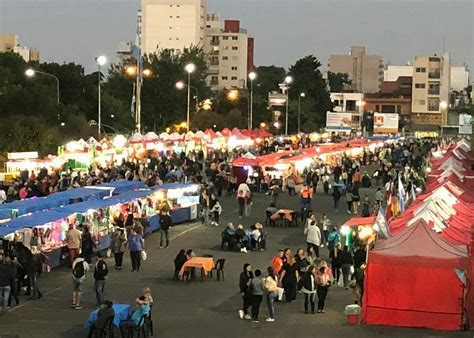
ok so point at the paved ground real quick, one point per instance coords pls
(197, 309)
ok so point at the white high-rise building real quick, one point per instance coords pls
(172, 24)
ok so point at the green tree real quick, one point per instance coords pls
(337, 81)
(308, 79)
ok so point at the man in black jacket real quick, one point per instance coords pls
(6, 281)
(165, 224)
(244, 279)
(100, 274)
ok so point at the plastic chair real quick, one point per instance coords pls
(107, 330)
(281, 219)
(140, 328)
(219, 267)
(262, 241)
(149, 322)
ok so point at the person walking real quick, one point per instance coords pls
(87, 245)
(241, 202)
(335, 257)
(6, 280)
(366, 206)
(100, 274)
(165, 224)
(349, 198)
(256, 290)
(346, 263)
(79, 269)
(309, 288)
(118, 247)
(270, 284)
(73, 243)
(135, 244)
(313, 237)
(244, 279)
(336, 196)
(306, 195)
(325, 224)
(333, 239)
(323, 281)
(289, 279)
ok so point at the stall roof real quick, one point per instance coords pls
(176, 185)
(122, 186)
(360, 221)
(29, 221)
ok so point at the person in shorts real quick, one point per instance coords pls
(79, 269)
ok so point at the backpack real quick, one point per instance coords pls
(101, 271)
(78, 270)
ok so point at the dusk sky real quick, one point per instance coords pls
(284, 30)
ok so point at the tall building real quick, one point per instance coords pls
(430, 93)
(365, 71)
(10, 43)
(230, 53)
(172, 24)
(124, 52)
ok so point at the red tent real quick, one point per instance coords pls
(226, 132)
(210, 134)
(411, 281)
(360, 221)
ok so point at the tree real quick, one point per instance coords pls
(309, 80)
(337, 81)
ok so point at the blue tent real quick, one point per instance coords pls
(39, 218)
(122, 186)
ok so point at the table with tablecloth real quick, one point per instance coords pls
(122, 312)
(286, 212)
(204, 263)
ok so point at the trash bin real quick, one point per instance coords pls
(352, 313)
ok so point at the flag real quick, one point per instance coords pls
(401, 194)
(381, 225)
(132, 106)
(388, 210)
(413, 193)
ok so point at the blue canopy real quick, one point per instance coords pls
(54, 200)
(122, 186)
(39, 218)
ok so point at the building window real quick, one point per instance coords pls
(177, 16)
(420, 85)
(234, 68)
(177, 38)
(235, 58)
(225, 58)
(171, 27)
(224, 78)
(350, 105)
(171, 5)
(225, 38)
(215, 60)
(399, 109)
(235, 48)
(235, 38)
(433, 104)
(420, 69)
(388, 109)
(377, 108)
(234, 78)
(171, 17)
(214, 80)
(433, 89)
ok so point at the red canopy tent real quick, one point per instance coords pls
(411, 281)
(226, 132)
(211, 134)
(360, 221)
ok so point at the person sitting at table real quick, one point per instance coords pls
(142, 310)
(190, 273)
(228, 236)
(179, 261)
(105, 312)
(240, 237)
(254, 236)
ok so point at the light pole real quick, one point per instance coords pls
(100, 60)
(252, 76)
(299, 110)
(190, 67)
(288, 80)
(180, 86)
(30, 72)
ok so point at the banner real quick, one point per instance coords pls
(465, 124)
(385, 123)
(338, 121)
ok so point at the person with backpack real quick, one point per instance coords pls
(100, 274)
(79, 269)
(165, 224)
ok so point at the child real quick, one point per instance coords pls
(148, 296)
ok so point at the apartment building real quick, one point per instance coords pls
(349, 103)
(365, 71)
(172, 24)
(230, 53)
(430, 91)
(10, 43)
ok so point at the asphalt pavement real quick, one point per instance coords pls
(207, 309)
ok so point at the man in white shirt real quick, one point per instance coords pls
(3, 196)
(79, 269)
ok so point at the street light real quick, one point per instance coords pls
(288, 80)
(252, 76)
(100, 60)
(190, 67)
(30, 72)
(180, 86)
(299, 110)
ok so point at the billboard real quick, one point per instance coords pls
(338, 121)
(385, 123)
(465, 124)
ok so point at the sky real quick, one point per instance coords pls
(284, 30)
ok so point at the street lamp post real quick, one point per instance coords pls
(180, 85)
(299, 110)
(288, 80)
(252, 76)
(100, 60)
(190, 67)
(30, 72)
